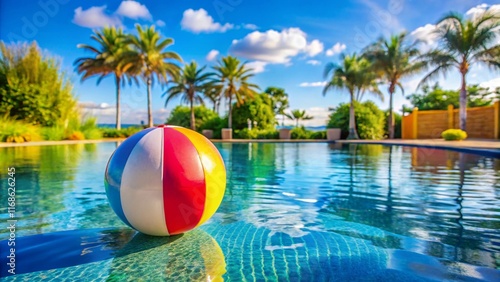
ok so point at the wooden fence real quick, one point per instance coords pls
(482, 122)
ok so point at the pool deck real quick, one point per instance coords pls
(489, 148)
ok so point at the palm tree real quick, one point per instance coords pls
(356, 76)
(298, 115)
(109, 58)
(280, 101)
(465, 42)
(394, 59)
(154, 61)
(190, 83)
(232, 80)
(214, 94)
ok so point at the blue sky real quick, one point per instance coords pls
(287, 43)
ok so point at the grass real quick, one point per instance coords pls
(18, 132)
(14, 131)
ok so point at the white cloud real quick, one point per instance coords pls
(107, 114)
(426, 33)
(274, 47)
(200, 21)
(313, 84)
(336, 49)
(257, 66)
(134, 10)
(314, 48)
(212, 55)
(480, 9)
(387, 19)
(160, 23)
(473, 13)
(250, 26)
(94, 17)
(492, 84)
(313, 62)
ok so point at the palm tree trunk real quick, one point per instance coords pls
(230, 115)
(150, 109)
(390, 122)
(463, 103)
(118, 116)
(297, 122)
(353, 134)
(192, 115)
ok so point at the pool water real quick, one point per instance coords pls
(291, 212)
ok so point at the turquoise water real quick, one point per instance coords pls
(291, 212)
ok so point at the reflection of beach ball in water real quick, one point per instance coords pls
(165, 180)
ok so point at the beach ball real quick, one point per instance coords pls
(165, 180)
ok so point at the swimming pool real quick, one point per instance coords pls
(292, 211)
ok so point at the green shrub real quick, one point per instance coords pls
(18, 132)
(181, 116)
(259, 109)
(53, 133)
(88, 123)
(216, 124)
(454, 134)
(122, 133)
(76, 135)
(369, 120)
(33, 86)
(318, 135)
(300, 133)
(89, 129)
(255, 133)
(92, 133)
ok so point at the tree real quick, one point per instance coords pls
(109, 58)
(258, 110)
(394, 59)
(33, 88)
(190, 83)
(280, 101)
(436, 98)
(464, 42)
(232, 81)
(369, 120)
(181, 116)
(155, 63)
(356, 77)
(214, 95)
(298, 115)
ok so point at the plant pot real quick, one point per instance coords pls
(227, 134)
(285, 134)
(333, 134)
(208, 133)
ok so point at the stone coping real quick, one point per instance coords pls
(489, 148)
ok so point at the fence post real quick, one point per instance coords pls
(450, 116)
(496, 122)
(415, 123)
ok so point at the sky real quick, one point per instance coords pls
(286, 43)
